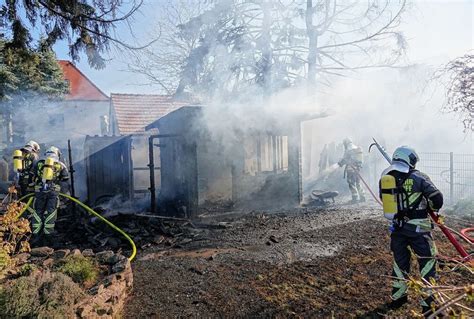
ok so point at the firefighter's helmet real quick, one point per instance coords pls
(407, 155)
(347, 142)
(32, 146)
(53, 150)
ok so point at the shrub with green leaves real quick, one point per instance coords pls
(27, 269)
(40, 295)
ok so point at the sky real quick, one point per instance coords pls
(437, 31)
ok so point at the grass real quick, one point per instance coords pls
(81, 269)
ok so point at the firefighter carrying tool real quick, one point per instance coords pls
(352, 160)
(434, 217)
(407, 196)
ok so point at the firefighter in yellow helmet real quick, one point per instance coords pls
(29, 157)
(51, 178)
(408, 195)
(353, 160)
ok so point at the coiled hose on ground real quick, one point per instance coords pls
(90, 211)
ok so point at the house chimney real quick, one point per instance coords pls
(104, 125)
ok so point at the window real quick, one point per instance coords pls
(266, 153)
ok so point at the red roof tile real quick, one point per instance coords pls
(133, 112)
(80, 87)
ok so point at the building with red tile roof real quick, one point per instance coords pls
(131, 113)
(81, 88)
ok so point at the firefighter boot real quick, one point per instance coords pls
(354, 200)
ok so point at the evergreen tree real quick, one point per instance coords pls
(87, 25)
(28, 73)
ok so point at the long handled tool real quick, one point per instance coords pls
(461, 250)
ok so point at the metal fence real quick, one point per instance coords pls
(452, 173)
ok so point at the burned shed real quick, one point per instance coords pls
(206, 162)
(118, 164)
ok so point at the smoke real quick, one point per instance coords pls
(397, 106)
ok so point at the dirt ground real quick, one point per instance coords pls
(301, 263)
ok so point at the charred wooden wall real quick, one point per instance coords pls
(199, 169)
(109, 167)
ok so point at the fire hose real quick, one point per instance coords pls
(466, 231)
(90, 211)
(436, 219)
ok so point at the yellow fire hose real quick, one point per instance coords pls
(90, 211)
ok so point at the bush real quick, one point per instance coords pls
(40, 295)
(4, 259)
(14, 234)
(81, 269)
(27, 269)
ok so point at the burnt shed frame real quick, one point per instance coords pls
(109, 167)
(180, 161)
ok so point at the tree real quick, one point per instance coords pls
(458, 78)
(27, 75)
(351, 35)
(237, 46)
(87, 25)
(29, 72)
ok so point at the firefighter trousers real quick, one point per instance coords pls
(356, 189)
(45, 212)
(422, 245)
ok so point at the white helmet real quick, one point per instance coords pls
(407, 155)
(347, 142)
(32, 146)
(53, 150)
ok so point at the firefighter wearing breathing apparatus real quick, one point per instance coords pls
(51, 178)
(408, 195)
(353, 160)
(24, 161)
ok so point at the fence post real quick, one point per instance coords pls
(451, 178)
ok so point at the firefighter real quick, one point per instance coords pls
(51, 178)
(3, 169)
(352, 160)
(30, 155)
(411, 197)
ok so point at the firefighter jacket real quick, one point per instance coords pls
(60, 180)
(419, 196)
(353, 156)
(27, 174)
(352, 159)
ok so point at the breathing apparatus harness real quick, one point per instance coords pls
(48, 171)
(395, 199)
(23, 162)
